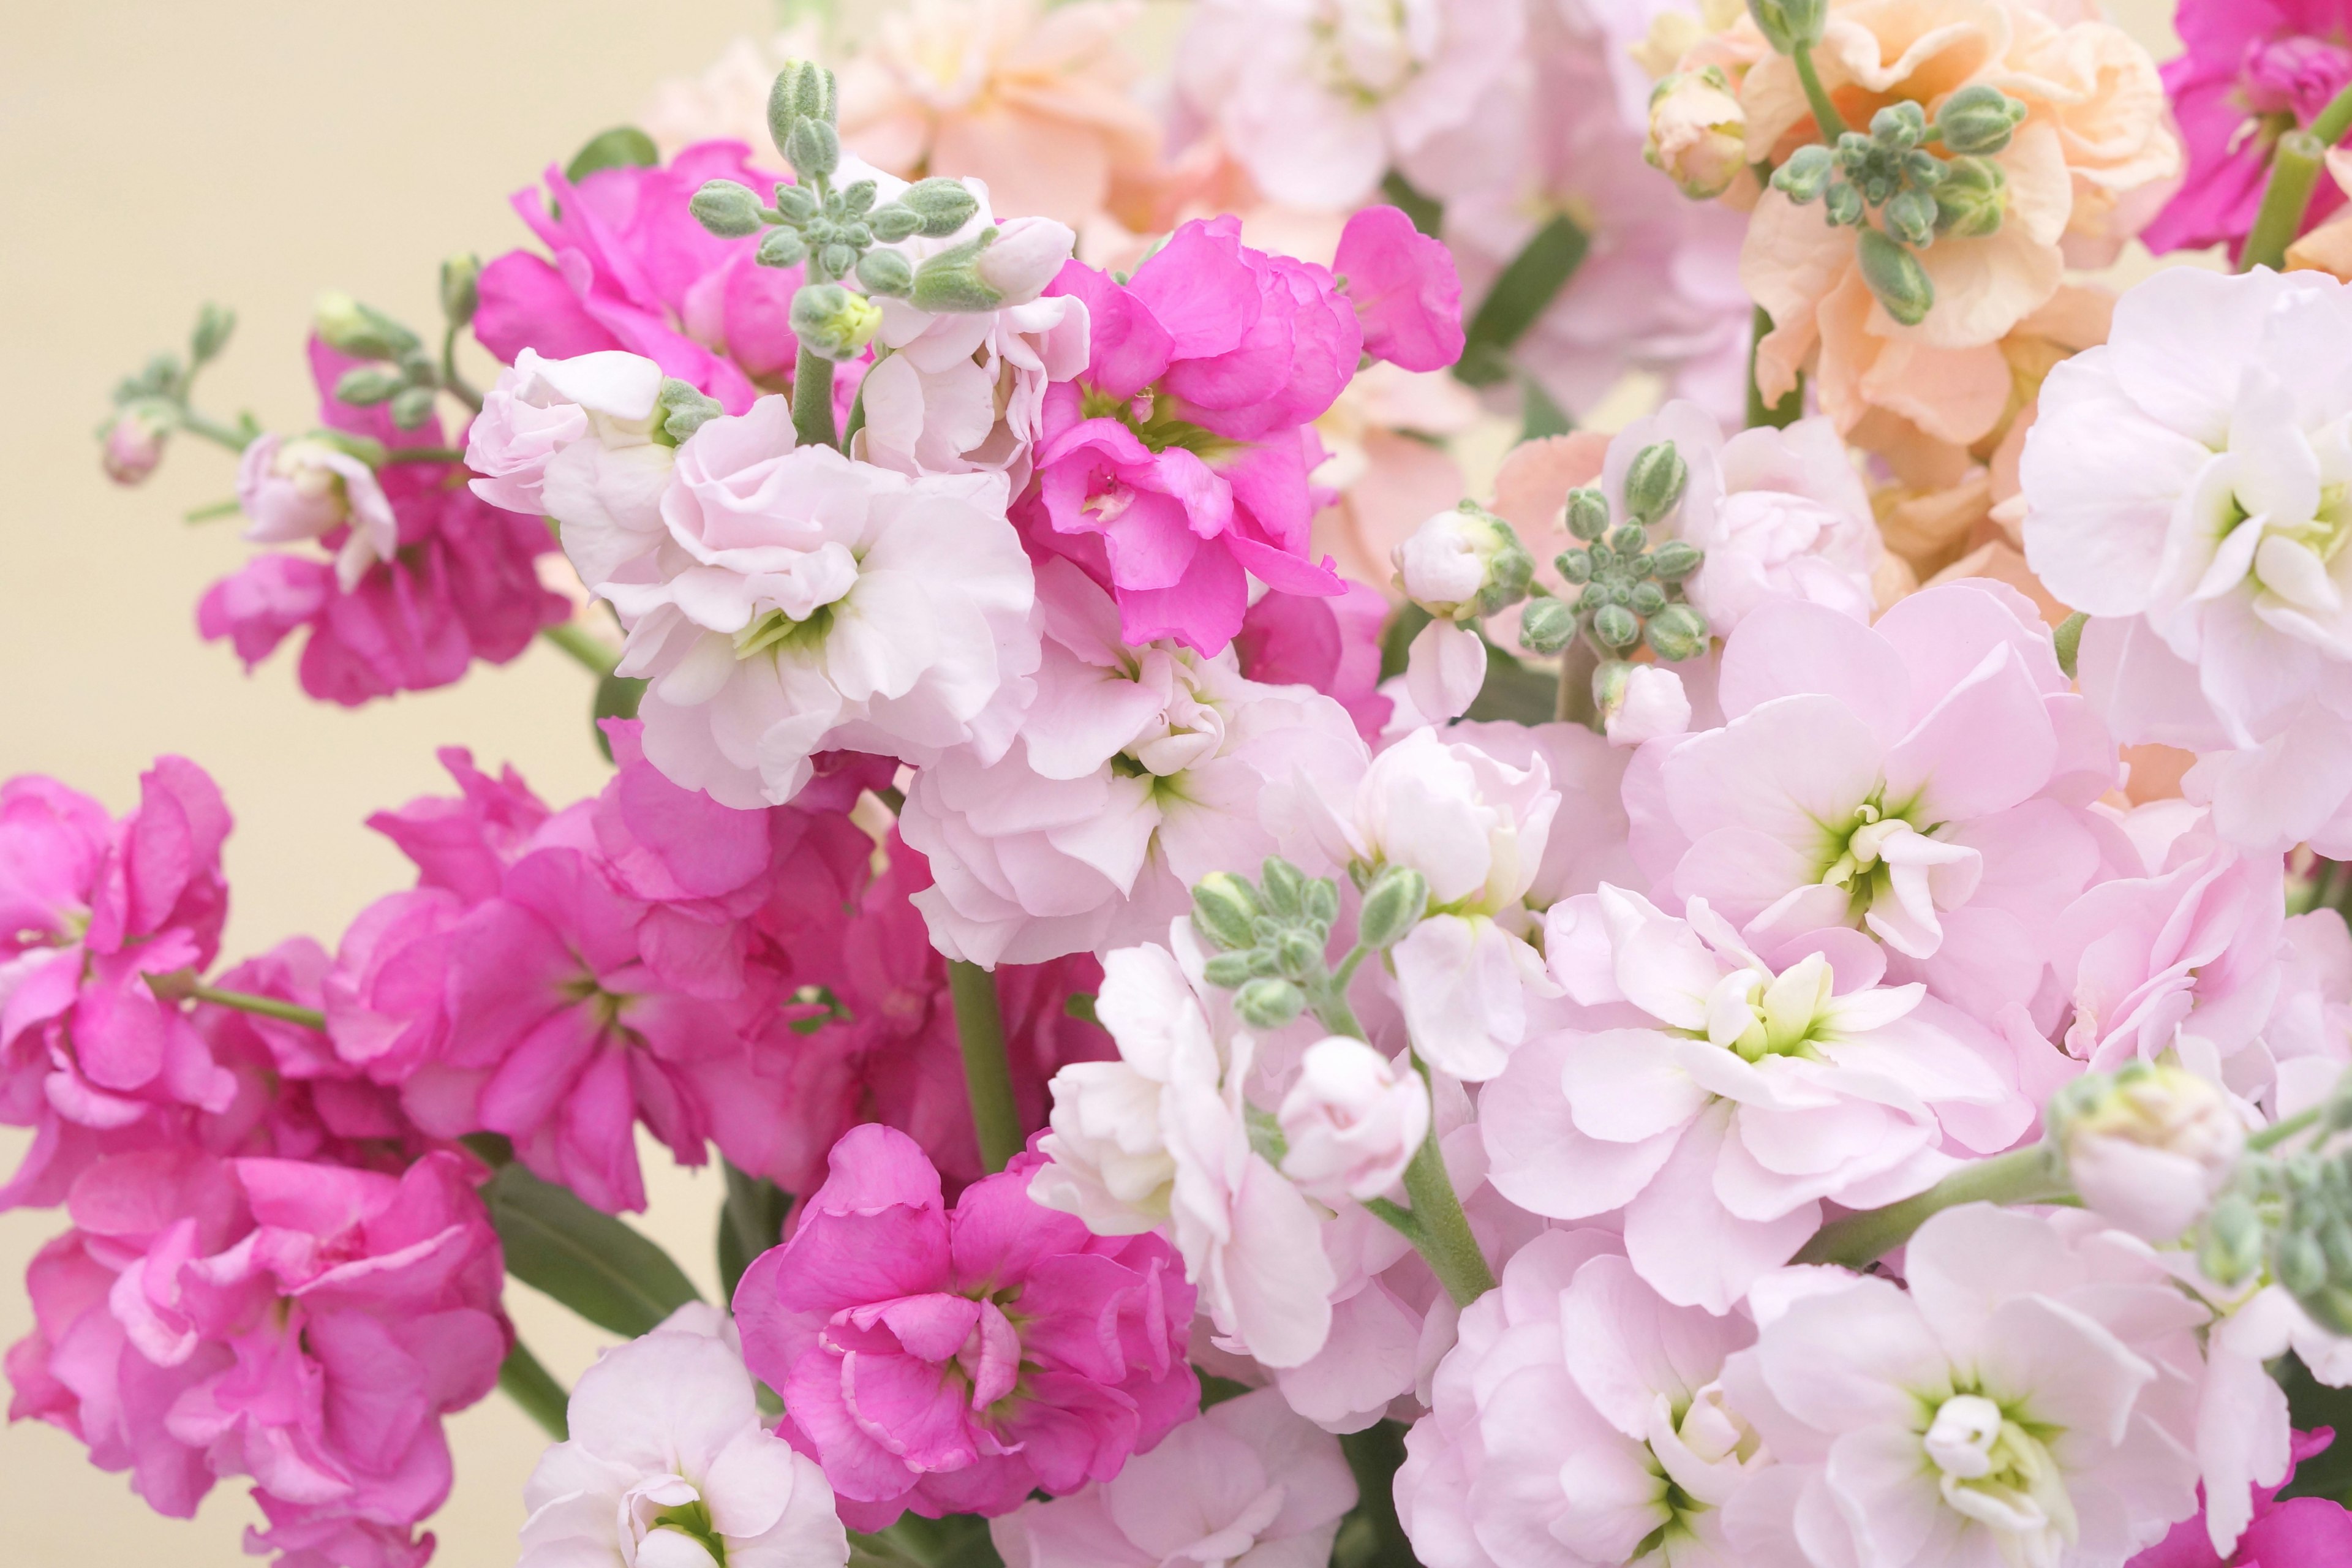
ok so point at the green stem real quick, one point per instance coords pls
(1825, 114)
(987, 1075)
(213, 430)
(218, 509)
(456, 386)
(260, 1006)
(2271, 1137)
(2029, 1176)
(2335, 120)
(1440, 1230)
(533, 1387)
(423, 455)
(1329, 999)
(2295, 175)
(812, 401)
(1573, 704)
(593, 652)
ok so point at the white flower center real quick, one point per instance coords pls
(1993, 1470)
(1366, 49)
(1758, 1014)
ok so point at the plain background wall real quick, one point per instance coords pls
(155, 154)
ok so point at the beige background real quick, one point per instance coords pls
(255, 152)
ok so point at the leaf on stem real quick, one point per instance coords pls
(590, 1261)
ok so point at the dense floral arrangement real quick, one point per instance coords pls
(1771, 989)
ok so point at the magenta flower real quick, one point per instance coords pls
(952, 1362)
(89, 909)
(1175, 467)
(633, 269)
(2251, 69)
(1407, 296)
(458, 586)
(1330, 643)
(303, 1324)
(2305, 1531)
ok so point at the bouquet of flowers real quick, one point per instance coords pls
(1290, 957)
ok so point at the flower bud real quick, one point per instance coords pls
(1464, 564)
(1227, 971)
(1616, 626)
(1899, 127)
(1298, 955)
(344, 323)
(1648, 599)
(780, 247)
(1322, 902)
(1546, 626)
(411, 408)
(214, 325)
(940, 205)
(1639, 702)
(1352, 1121)
(833, 322)
(1911, 218)
(2233, 1244)
(802, 90)
(813, 149)
(1806, 174)
(886, 272)
(1654, 484)
(461, 291)
(683, 410)
(894, 223)
(1284, 887)
(1790, 24)
(1972, 199)
(1269, 1002)
(1225, 909)
(1844, 206)
(726, 208)
(797, 204)
(365, 385)
(1675, 559)
(1587, 514)
(1026, 254)
(2150, 1147)
(1394, 903)
(133, 441)
(1978, 120)
(1677, 633)
(1698, 132)
(1895, 275)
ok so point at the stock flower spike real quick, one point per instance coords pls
(1766, 992)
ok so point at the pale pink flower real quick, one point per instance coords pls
(1352, 1121)
(2151, 1149)
(1247, 1485)
(1650, 706)
(1160, 1140)
(304, 488)
(1577, 1417)
(1136, 773)
(966, 393)
(669, 1465)
(539, 406)
(1720, 1098)
(2002, 1411)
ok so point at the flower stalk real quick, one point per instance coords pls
(987, 1074)
(2030, 1176)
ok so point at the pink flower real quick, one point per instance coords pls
(133, 443)
(954, 1361)
(1577, 1415)
(1248, 1484)
(304, 489)
(1403, 285)
(454, 582)
(90, 910)
(303, 1324)
(2304, 1530)
(1175, 465)
(2252, 69)
(633, 269)
(1332, 645)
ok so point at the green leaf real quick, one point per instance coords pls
(1539, 415)
(959, 1541)
(750, 1222)
(1514, 691)
(1396, 641)
(618, 697)
(621, 147)
(1428, 213)
(2313, 1404)
(2069, 640)
(1524, 292)
(1372, 1536)
(588, 1260)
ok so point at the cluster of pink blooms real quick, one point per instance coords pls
(1767, 996)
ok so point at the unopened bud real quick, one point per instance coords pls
(1227, 971)
(461, 291)
(1978, 120)
(797, 202)
(1225, 909)
(2300, 1264)
(1648, 599)
(836, 260)
(802, 90)
(133, 441)
(1298, 955)
(1675, 559)
(1895, 275)
(1464, 564)
(1322, 902)
(886, 272)
(1911, 218)
(1027, 253)
(1352, 1121)
(1843, 206)
(1284, 887)
(1790, 25)
(1806, 174)
(1972, 199)
(2233, 1244)
(411, 408)
(1654, 484)
(813, 149)
(780, 247)
(1546, 626)
(1587, 514)
(2148, 1147)
(365, 385)
(1639, 702)
(1394, 903)
(684, 410)
(1269, 1002)
(894, 223)
(1698, 132)
(1899, 127)
(214, 325)
(344, 323)
(1616, 626)
(1677, 633)
(833, 322)
(726, 208)
(941, 206)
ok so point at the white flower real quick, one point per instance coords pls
(668, 1466)
(1160, 1140)
(1352, 1121)
(1248, 1485)
(801, 602)
(965, 392)
(603, 487)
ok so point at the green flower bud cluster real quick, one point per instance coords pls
(1628, 584)
(1270, 938)
(1790, 25)
(2291, 1214)
(400, 370)
(150, 405)
(1917, 196)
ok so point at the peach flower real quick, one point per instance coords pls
(1390, 475)
(2096, 143)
